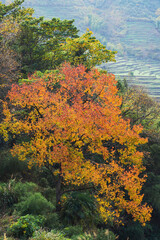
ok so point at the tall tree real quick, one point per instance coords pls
(142, 109)
(75, 128)
(39, 42)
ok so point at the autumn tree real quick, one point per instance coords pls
(74, 126)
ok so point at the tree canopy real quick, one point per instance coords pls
(74, 126)
(87, 50)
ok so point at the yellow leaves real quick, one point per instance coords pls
(78, 126)
(9, 28)
(87, 50)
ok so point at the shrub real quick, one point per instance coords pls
(105, 234)
(79, 208)
(50, 194)
(9, 165)
(24, 190)
(84, 236)
(99, 235)
(25, 226)
(73, 231)
(7, 195)
(133, 232)
(43, 235)
(52, 221)
(35, 204)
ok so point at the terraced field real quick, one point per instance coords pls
(141, 71)
(144, 74)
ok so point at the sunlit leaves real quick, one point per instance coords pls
(87, 50)
(72, 116)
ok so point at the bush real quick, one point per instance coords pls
(105, 235)
(52, 221)
(43, 235)
(79, 208)
(84, 236)
(50, 194)
(133, 232)
(35, 204)
(99, 235)
(25, 226)
(24, 190)
(9, 165)
(72, 231)
(7, 195)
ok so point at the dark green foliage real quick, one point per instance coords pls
(135, 231)
(105, 234)
(79, 208)
(24, 190)
(27, 46)
(35, 204)
(11, 9)
(152, 191)
(10, 166)
(52, 221)
(73, 231)
(132, 232)
(122, 86)
(153, 233)
(24, 198)
(39, 41)
(25, 226)
(50, 194)
(7, 195)
(155, 155)
(15, 193)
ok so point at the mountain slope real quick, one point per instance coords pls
(124, 25)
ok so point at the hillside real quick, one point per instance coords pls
(120, 24)
(127, 26)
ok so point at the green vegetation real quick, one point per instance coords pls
(47, 202)
(25, 226)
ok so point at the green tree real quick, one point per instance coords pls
(144, 110)
(38, 44)
(87, 50)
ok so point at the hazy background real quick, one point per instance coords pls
(132, 27)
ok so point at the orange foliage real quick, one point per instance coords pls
(72, 116)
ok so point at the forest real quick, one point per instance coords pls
(79, 149)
